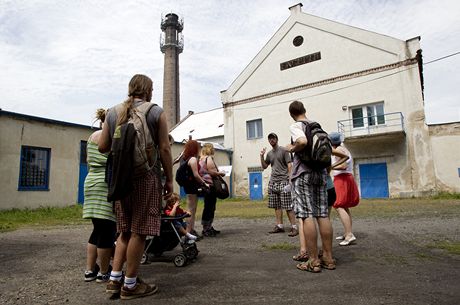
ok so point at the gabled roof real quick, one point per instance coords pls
(383, 43)
(202, 125)
(26, 117)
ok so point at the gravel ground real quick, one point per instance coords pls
(391, 263)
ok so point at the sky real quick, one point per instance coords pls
(63, 59)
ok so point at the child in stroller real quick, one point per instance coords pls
(172, 232)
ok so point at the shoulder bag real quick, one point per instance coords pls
(219, 186)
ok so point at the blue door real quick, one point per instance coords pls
(374, 180)
(82, 173)
(255, 186)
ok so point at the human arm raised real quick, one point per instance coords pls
(262, 158)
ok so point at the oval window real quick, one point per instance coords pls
(298, 40)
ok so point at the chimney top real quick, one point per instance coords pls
(296, 8)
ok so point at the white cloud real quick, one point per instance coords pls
(63, 59)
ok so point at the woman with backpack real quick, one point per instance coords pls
(208, 170)
(190, 158)
(346, 189)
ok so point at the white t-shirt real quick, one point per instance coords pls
(297, 131)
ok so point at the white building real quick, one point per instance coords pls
(367, 85)
(206, 126)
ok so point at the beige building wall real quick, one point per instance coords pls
(64, 142)
(445, 138)
(357, 68)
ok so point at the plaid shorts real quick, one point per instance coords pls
(310, 200)
(277, 197)
(140, 212)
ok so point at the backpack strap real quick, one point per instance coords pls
(146, 107)
(308, 135)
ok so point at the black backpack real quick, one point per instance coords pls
(317, 154)
(120, 169)
(184, 174)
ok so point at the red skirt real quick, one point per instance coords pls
(346, 190)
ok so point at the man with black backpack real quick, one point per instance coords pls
(312, 152)
(135, 132)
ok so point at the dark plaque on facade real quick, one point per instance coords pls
(300, 61)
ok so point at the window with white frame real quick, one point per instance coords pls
(34, 169)
(254, 129)
(368, 115)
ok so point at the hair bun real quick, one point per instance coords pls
(100, 114)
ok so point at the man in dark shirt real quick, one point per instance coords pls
(279, 195)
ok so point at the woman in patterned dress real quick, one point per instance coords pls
(96, 208)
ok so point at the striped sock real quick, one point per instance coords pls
(130, 282)
(116, 276)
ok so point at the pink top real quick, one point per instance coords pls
(204, 170)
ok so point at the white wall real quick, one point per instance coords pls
(359, 70)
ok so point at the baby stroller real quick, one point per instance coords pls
(167, 241)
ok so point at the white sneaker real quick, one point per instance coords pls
(347, 242)
(341, 237)
(191, 236)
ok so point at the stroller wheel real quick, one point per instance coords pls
(180, 260)
(144, 258)
(191, 252)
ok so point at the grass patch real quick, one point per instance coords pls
(246, 209)
(445, 195)
(423, 256)
(45, 216)
(280, 246)
(410, 207)
(394, 259)
(450, 246)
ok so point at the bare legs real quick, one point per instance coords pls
(104, 255)
(309, 230)
(91, 256)
(93, 253)
(291, 216)
(325, 230)
(279, 216)
(345, 218)
(120, 252)
(130, 247)
(303, 241)
(308, 237)
(192, 202)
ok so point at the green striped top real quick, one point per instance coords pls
(96, 205)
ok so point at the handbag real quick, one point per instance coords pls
(219, 186)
